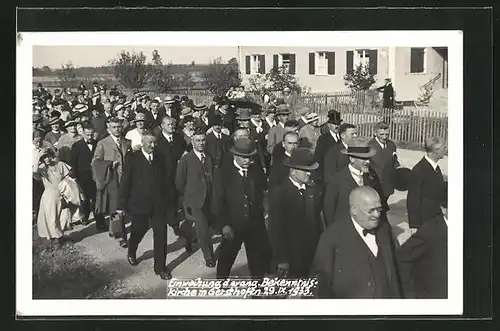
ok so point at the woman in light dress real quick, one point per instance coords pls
(53, 216)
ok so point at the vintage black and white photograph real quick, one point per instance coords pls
(167, 166)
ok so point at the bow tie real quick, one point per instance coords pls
(371, 231)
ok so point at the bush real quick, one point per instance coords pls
(360, 78)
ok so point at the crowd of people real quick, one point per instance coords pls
(207, 170)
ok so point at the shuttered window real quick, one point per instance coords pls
(255, 64)
(417, 60)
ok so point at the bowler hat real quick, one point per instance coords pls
(243, 115)
(334, 117)
(401, 178)
(282, 110)
(358, 147)
(302, 159)
(243, 147)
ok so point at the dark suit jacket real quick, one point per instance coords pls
(81, 159)
(261, 143)
(384, 163)
(155, 122)
(334, 162)
(143, 187)
(336, 201)
(217, 147)
(174, 112)
(100, 126)
(427, 192)
(342, 262)
(278, 172)
(423, 261)
(325, 142)
(294, 227)
(229, 204)
(191, 183)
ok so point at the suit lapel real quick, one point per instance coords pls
(384, 244)
(113, 145)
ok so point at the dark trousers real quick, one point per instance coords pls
(37, 194)
(100, 223)
(140, 226)
(201, 217)
(257, 248)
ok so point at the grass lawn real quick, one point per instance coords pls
(68, 273)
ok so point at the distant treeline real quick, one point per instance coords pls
(109, 70)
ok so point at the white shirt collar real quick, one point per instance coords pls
(357, 175)
(257, 124)
(297, 185)
(334, 135)
(359, 228)
(282, 125)
(287, 154)
(217, 135)
(380, 143)
(345, 145)
(370, 239)
(167, 136)
(114, 138)
(445, 219)
(271, 123)
(240, 169)
(146, 155)
(198, 154)
(433, 164)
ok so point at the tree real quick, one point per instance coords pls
(67, 76)
(360, 78)
(186, 81)
(280, 77)
(130, 69)
(159, 76)
(220, 76)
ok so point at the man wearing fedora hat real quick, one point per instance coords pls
(327, 140)
(269, 118)
(303, 114)
(238, 196)
(357, 173)
(335, 160)
(294, 217)
(170, 108)
(243, 117)
(200, 116)
(258, 133)
(276, 133)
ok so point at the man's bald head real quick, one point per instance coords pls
(365, 206)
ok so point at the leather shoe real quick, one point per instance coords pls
(123, 243)
(165, 275)
(132, 260)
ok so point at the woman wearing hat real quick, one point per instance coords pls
(188, 129)
(294, 217)
(55, 125)
(310, 132)
(66, 142)
(135, 135)
(52, 216)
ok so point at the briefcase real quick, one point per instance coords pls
(116, 225)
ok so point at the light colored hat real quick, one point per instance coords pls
(286, 89)
(169, 99)
(118, 107)
(139, 117)
(80, 108)
(158, 99)
(311, 117)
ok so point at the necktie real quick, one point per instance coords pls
(302, 191)
(150, 158)
(118, 141)
(244, 173)
(384, 146)
(203, 158)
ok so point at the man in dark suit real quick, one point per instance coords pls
(169, 107)
(82, 153)
(423, 260)
(427, 190)
(155, 115)
(278, 171)
(326, 141)
(194, 184)
(143, 195)
(294, 217)
(355, 257)
(172, 140)
(334, 160)
(217, 142)
(113, 148)
(388, 100)
(99, 123)
(258, 133)
(357, 173)
(238, 206)
(385, 161)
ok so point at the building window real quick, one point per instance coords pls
(285, 61)
(362, 57)
(254, 64)
(321, 63)
(417, 60)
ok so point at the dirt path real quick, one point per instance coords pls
(141, 278)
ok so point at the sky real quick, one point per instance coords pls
(94, 56)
